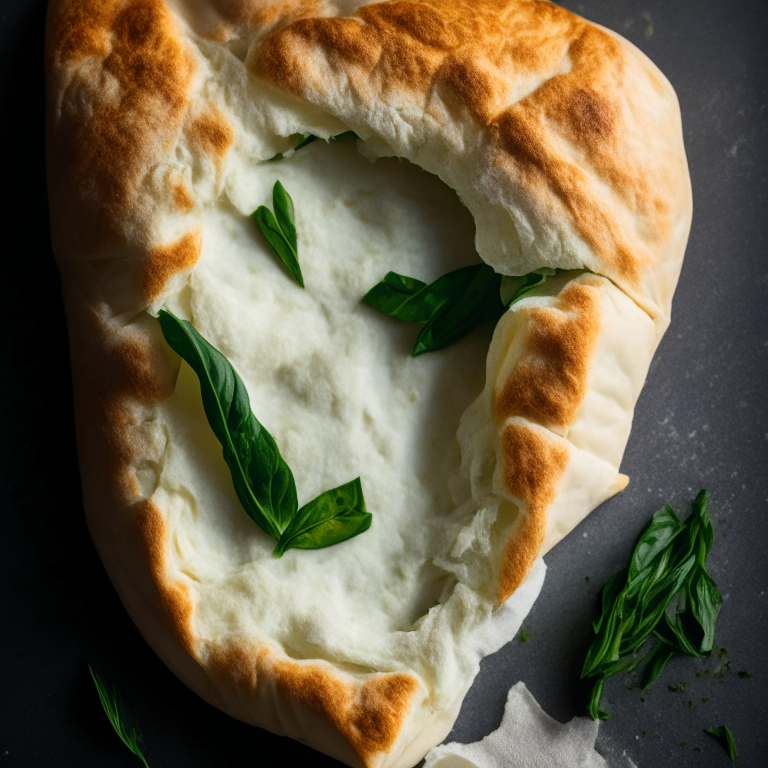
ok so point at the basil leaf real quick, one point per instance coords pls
(450, 307)
(284, 213)
(304, 139)
(282, 241)
(610, 591)
(333, 517)
(513, 289)
(308, 138)
(468, 306)
(263, 481)
(110, 703)
(705, 601)
(594, 701)
(345, 136)
(675, 630)
(656, 537)
(401, 297)
(455, 304)
(656, 661)
(666, 590)
(725, 737)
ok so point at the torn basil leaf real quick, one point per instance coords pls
(263, 481)
(725, 737)
(455, 304)
(279, 230)
(666, 592)
(334, 516)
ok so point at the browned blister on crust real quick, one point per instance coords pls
(547, 382)
(533, 464)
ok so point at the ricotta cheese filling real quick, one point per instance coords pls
(334, 383)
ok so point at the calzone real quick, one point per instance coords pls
(507, 131)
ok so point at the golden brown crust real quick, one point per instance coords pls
(211, 134)
(174, 595)
(164, 261)
(548, 381)
(368, 713)
(577, 126)
(533, 463)
(135, 106)
(182, 197)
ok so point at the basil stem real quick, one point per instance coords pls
(110, 703)
(279, 230)
(666, 592)
(725, 737)
(263, 481)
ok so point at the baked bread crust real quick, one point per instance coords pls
(562, 139)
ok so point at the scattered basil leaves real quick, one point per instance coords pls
(263, 481)
(455, 304)
(725, 737)
(129, 734)
(279, 230)
(665, 593)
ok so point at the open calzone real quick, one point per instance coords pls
(409, 136)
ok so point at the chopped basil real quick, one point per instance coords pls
(725, 737)
(279, 230)
(263, 481)
(666, 592)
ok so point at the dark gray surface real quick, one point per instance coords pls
(702, 420)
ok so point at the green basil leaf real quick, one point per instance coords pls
(513, 289)
(304, 140)
(333, 517)
(656, 661)
(345, 136)
(594, 701)
(609, 594)
(282, 243)
(451, 307)
(705, 602)
(308, 138)
(605, 646)
(678, 627)
(469, 307)
(725, 737)
(110, 702)
(665, 525)
(284, 213)
(665, 591)
(402, 297)
(652, 609)
(263, 481)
